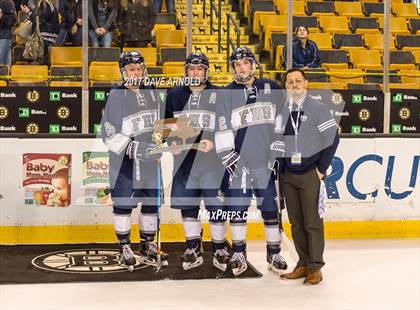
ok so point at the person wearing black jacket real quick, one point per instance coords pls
(71, 22)
(311, 139)
(7, 20)
(48, 23)
(102, 14)
(136, 21)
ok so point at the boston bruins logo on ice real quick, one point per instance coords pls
(404, 113)
(364, 114)
(32, 96)
(63, 112)
(32, 128)
(83, 261)
(4, 112)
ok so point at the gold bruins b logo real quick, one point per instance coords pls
(4, 112)
(337, 99)
(63, 112)
(32, 128)
(364, 114)
(32, 96)
(404, 113)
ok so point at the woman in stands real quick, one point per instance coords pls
(48, 22)
(71, 22)
(136, 21)
(305, 52)
(102, 14)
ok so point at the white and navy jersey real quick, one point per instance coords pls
(317, 138)
(246, 120)
(200, 108)
(129, 116)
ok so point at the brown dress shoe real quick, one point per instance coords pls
(298, 272)
(314, 277)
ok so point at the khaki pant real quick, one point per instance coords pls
(302, 193)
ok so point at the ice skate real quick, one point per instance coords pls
(192, 258)
(276, 263)
(148, 254)
(221, 259)
(127, 257)
(238, 263)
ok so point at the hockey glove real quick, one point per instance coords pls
(233, 162)
(140, 150)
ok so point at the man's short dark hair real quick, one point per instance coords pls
(295, 70)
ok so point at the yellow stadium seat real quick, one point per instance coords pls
(334, 24)
(410, 76)
(149, 54)
(3, 83)
(346, 76)
(280, 25)
(333, 66)
(279, 57)
(398, 25)
(403, 86)
(417, 56)
(29, 73)
(101, 73)
(298, 7)
(404, 9)
(165, 38)
(158, 27)
(366, 59)
(72, 56)
(174, 68)
(322, 40)
(326, 85)
(66, 84)
(402, 66)
(263, 19)
(353, 9)
(375, 41)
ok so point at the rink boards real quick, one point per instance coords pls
(373, 189)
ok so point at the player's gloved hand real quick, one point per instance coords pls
(274, 165)
(140, 150)
(234, 164)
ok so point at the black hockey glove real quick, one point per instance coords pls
(140, 150)
(233, 163)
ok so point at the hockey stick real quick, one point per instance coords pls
(158, 255)
(285, 240)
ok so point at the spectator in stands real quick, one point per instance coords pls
(48, 23)
(170, 6)
(7, 20)
(136, 21)
(71, 22)
(102, 15)
(304, 51)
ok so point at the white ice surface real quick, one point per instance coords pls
(359, 274)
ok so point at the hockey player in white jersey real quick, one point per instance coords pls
(127, 127)
(197, 174)
(244, 141)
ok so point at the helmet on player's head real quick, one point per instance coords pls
(239, 54)
(197, 59)
(132, 57)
